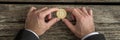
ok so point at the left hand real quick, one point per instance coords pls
(36, 20)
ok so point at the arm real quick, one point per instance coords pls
(35, 23)
(26, 35)
(94, 36)
(84, 24)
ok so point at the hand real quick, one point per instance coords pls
(84, 22)
(36, 20)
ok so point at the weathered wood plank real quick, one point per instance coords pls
(61, 0)
(6, 38)
(102, 14)
(9, 29)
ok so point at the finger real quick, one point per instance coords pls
(31, 10)
(90, 12)
(76, 13)
(52, 21)
(69, 24)
(84, 10)
(80, 12)
(49, 16)
(49, 11)
(70, 10)
(39, 10)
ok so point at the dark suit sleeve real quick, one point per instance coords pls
(96, 37)
(25, 35)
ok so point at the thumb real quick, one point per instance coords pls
(69, 24)
(52, 21)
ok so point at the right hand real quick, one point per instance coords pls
(84, 22)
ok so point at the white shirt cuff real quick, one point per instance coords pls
(32, 32)
(93, 33)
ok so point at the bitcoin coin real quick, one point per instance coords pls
(61, 13)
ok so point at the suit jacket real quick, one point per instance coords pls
(27, 35)
(96, 37)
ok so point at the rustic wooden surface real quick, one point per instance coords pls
(12, 16)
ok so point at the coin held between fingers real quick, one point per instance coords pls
(61, 13)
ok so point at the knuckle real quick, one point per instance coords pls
(39, 15)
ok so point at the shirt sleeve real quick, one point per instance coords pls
(32, 32)
(93, 33)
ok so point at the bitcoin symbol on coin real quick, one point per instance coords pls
(61, 13)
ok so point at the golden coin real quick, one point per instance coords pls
(61, 13)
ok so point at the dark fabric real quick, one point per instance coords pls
(25, 35)
(96, 37)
